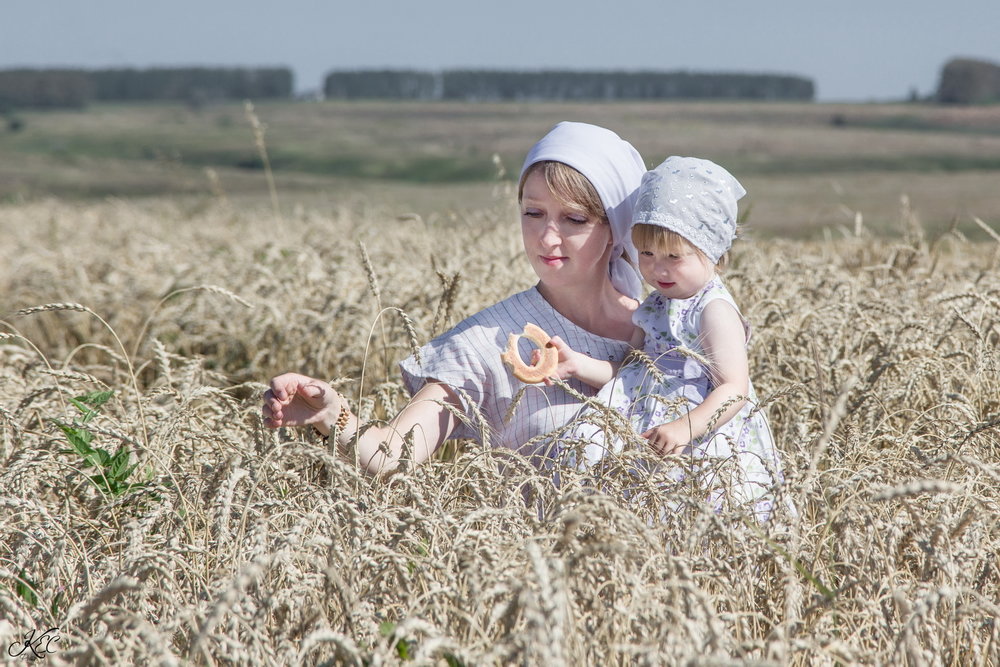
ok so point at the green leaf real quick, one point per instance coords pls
(78, 437)
(88, 412)
(403, 649)
(101, 482)
(113, 470)
(96, 399)
(103, 457)
(54, 608)
(89, 404)
(26, 589)
(119, 464)
(403, 646)
(796, 563)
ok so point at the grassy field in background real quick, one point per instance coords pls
(806, 166)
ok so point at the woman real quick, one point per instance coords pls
(576, 192)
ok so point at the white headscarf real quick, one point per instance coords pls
(695, 198)
(615, 170)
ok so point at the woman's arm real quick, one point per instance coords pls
(298, 400)
(724, 343)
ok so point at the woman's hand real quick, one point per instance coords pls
(298, 400)
(670, 438)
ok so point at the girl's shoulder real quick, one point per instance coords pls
(652, 303)
(650, 310)
(716, 289)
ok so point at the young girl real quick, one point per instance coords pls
(692, 394)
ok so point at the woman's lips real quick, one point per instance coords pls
(551, 261)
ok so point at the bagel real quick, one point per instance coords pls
(546, 365)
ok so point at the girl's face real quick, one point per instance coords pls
(565, 245)
(679, 274)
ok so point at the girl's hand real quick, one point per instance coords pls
(573, 364)
(568, 360)
(670, 438)
(298, 400)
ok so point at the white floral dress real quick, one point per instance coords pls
(669, 383)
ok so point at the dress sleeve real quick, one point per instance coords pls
(452, 361)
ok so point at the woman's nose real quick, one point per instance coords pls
(550, 233)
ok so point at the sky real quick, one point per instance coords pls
(853, 50)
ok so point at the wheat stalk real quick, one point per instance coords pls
(258, 138)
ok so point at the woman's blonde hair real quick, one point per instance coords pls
(663, 240)
(568, 186)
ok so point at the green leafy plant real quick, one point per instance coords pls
(113, 470)
(26, 588)
(405, 648)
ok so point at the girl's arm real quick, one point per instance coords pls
(724, 342)
(298, 400)
(590, 371)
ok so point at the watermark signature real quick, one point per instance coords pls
(35, 645)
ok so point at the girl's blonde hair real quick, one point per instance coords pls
(663, 240)
(568, 186)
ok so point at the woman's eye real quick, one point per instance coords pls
(577, 219)
(531, 213)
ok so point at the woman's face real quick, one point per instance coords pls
(565, 245)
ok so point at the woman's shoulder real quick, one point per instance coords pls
(516, 310)
(511, 314)
(468, 354)
(487, 329)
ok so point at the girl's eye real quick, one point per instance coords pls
(577, 219)
(531, 213)
(646, 253)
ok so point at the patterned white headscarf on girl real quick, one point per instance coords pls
(695, 198)
(615, 170)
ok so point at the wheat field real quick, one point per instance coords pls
(227, 543)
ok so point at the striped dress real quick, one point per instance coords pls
(467, 359)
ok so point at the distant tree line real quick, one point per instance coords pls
(963, 81)
(67, 88)
(192, 83)
(498, 85)
(44, 89)
(382, 84)
(967, 81)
